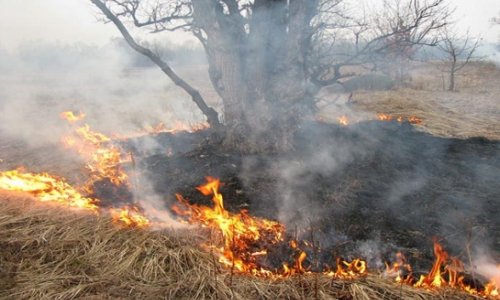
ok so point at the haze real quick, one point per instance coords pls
(71, 21)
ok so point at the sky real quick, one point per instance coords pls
(69, 21)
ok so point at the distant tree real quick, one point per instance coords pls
(459, 51)
(496, 20)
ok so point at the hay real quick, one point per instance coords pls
(52, 253)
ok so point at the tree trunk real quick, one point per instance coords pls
(259, 70)
(451, 87)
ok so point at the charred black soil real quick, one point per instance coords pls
(381, 184)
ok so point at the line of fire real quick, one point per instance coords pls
(243, 244)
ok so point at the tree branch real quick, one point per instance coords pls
(210, 113)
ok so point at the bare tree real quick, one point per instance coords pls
(496, 20)
(378, 39)
(268, 58)
(459, 51)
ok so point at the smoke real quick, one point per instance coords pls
(485, 265)
(118, 92)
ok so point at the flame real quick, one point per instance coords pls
(384, 117)
(434, 277)
(245, 236)
(246, 239)
(349, 270)
(177, 126)
(104, 158)
(343, 120)
(445, 272)
(414, 120)
(242, 233)
(400, 119)
(71, 117)
(129, 216)
(398, 270)
(46, 188)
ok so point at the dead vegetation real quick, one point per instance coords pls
(51, 253)
(471, 111)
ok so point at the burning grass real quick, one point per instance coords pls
(50, 252)
(53, 250)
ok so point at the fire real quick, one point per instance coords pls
(400, 119)
(445, 272)
(104, 159)
(104, 162)
(46, 188)
(348, 270)
(72, 117)
(400, 270)
(130, 216)
(49, 188)
(434, 278)
(242, 233)
(384, 117)
(247, 238)
(177, 126)
(343, 120)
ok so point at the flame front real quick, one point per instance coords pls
(400, 119)
(104, 159)
(46, 188)
(246, 238)
(445, 272)
(130, 216)
(242, 233)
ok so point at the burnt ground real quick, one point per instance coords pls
(370, 189)
(367, 189)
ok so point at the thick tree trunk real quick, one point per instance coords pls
(258, 69)
(451, 87)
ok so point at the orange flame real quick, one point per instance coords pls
(240, 231)
(343, 120)
(445, 272)
(71, 117)
(349, 270)
(104, 159)
(398, 269)
(45, 187)
(177, 126)
(400, 119)
(129, 216)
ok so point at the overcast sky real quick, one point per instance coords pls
(70, 21)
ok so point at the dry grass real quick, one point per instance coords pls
(52, 253)
(473, 110)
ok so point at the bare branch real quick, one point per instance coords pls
(459, 51)
(209, 112)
